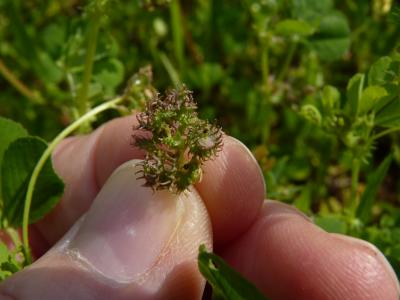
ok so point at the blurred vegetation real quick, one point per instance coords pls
(275, 74)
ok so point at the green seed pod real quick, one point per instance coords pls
(311, 113)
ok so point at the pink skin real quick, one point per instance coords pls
(272, 244)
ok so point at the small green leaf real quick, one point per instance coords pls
(330, 99)
(393, 91)
(332, 38)
(389, 116)
(331, 223)
(303, 201)
(205, 75)
(48, 70)
(370, 98)
(109, 73)
(227, 283)
(54, 37)
(369, 195)
(354, 91)
(9, 132)
(292, 27)
(20, 159)
(379, 73)
(310, 9)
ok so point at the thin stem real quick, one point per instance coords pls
(288, 60)
(177, 33)
(385, 132)
(355, 173)
(46, 154)
(71, 84)
(358, 31)
(265, 68)
(266, 103)
(173, 74)
(17, 84)
(82, 98)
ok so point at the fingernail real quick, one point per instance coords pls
(127, 227)
(250, 158)
(375, 252)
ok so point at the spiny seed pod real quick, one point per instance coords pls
(176, 141)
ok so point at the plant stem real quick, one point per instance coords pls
(17, 84)
(82, 98)
(265, 69)
(265, 104)
(355, 172)
(177, 33)
(288, 60)
(173, 74)
(46, 154)
(385, 132)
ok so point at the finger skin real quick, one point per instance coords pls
(288, 257)
(123, 257)
(232, 187)
(84, 163)
(64, 280)
(233, 190)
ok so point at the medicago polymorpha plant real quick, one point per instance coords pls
(176, 141)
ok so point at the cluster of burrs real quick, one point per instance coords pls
(176, 141)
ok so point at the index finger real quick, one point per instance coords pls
(288, 257)
(232, 187)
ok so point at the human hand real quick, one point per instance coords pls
(133, 245)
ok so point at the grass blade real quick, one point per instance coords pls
(369, 195)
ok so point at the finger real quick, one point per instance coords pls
(232, 186)
(233, 190)
(288, 257)
(84, 163)
(131, 244)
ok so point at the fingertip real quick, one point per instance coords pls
(288, 257)
(133, 243)
(73, 162)
(372, 251)
(84, 163)
(233, 190)
(114, 147)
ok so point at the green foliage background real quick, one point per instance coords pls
(275, 74)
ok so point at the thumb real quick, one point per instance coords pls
(131, 244)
